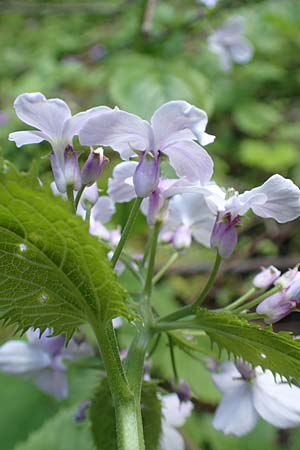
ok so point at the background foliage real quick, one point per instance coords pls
(96, 52)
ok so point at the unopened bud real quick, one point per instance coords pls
(146, 175)
(93, 166)
(266, 277)
(275, 307)
(71, 169)
(224, 235)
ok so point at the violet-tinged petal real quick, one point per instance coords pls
(53, 382)
(103, 210)
(228, 378)
(224, 237)
(146, 175)
(289, 277)
(190, 160)
(293, 291)
(89, 196)
(154, 205)
(170, 439)
(71, 168)
(282, 201)
(182, 237)
(278, 403)
(27, 137)
(178, 120)
(49, 116)
(275, 307)
(118, 187)
(53, 345)
(241, 52)
(122, 131)
(93, 166)
(58, 173)
(236, 413)
(266, 277)
(22, 358)
(75, 123)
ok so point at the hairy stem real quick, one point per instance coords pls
(128, 227)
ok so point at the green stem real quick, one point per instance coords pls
(78, 196)
(240, 300)
(173, 361)
(163, 270)
(259, 299)
(134, 363)
(210, 281)
(127, 408)
(129, 224)
(149, 277)
(180, 314)
(70, 196)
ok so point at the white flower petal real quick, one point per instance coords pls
(21, 358)
(27, 137)
(277, 403)
(177, 121)
(191, 161)
(118, 188)
(236, 413)
(282, 199)
(49, 116)
(103, 209)
(122, 131)
(242, 51)
(53, 382)
(74, 125)
(228, 377)
(171, 439)
(174, 411)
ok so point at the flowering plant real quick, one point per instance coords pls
(62, 266)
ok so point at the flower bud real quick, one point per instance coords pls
(183, 391)
(275, 307)
(81, 413)
(266, 277)
(93, 166)
(146, 175)
(288, 277)
(182, 237)
(71, 169)
(293, 291)
(224, 235)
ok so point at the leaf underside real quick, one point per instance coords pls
(277, 352)
(53, 273)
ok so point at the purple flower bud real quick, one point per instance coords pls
(266, 277)
(71, 169)
(245, 369)
(183, 391)
(288, 277)
(93, 167)
(153, 207)
(146, 175)
(275, 307)
(182, 237)
(224, 235)
(81, 412)
(293, 291)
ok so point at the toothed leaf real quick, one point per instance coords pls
(53, 273)
(259, 346)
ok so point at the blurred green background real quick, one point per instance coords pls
(98, 52)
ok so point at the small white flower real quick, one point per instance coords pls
(175, 413)
(230, 44)
(250, 394)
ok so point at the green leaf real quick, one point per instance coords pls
(271, 157)
(277, 352)
(53, 273)
(137, 77)
(103, 417)
(60, 433)
(256, 119)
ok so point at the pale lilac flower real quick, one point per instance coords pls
(41, 358)
(208, 3)
(121, 189)
(175, 413)
(188, 216)
(250, 394)
(55, 124)
(171, 131)
(266, 277)
(230, 44)
(282, 303)
(278, 198)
